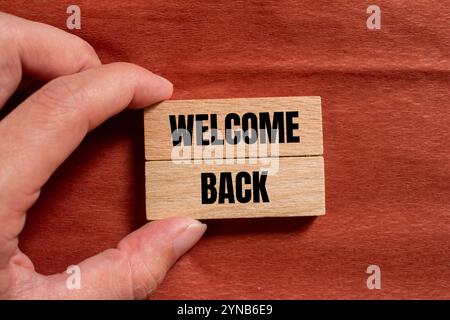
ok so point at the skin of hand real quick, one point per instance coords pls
(41, 132)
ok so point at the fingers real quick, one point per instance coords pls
(135, 268)
(41, 132)
(40, 50)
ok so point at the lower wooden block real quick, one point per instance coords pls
(268, 187)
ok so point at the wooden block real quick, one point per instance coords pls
(294, 186)
(234, 158)
(298, 118)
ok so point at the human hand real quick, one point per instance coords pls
(40, 133)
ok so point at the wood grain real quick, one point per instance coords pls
(295, 189)
(158, 132)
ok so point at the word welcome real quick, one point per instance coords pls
(250, 128)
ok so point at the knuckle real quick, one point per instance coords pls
(139, 280)
(87, 54)
(127, 73)
(144, 275)
(127, 68)
(145, 278)
(122, 64)
(59, 96)
(143, 289)
(82, 55)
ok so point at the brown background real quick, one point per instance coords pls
(386, 119)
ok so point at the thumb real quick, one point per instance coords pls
(136, 267)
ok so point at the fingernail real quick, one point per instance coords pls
(188, 238)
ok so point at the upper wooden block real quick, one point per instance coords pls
(297, 122)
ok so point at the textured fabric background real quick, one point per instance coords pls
(386, 119)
